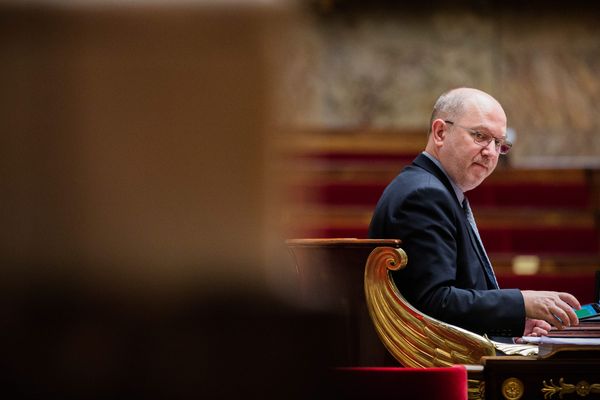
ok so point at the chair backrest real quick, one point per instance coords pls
(331, 276)
(406, 383)
(413, 338)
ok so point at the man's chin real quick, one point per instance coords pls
(472, 184)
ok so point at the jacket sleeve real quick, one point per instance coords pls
(444, 277)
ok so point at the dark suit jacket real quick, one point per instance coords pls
(446, 274)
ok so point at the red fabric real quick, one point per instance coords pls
(529, 194)
(490, 194)
(536, 239)
(338, 193)
(400, 383)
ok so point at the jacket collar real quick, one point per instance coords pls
(422, 161)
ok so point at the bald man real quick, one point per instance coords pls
(449, 275)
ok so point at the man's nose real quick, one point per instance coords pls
(491, 148)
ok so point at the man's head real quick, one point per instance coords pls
(460, 118)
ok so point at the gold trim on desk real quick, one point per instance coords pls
(513, 389)
(582, 388)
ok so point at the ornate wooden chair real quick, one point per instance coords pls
(352, 278)
(413, 338)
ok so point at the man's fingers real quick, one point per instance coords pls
(563, 316)
(568, 310)
(570, 300)
(537, 331)
(543, 325)
(556, 308)
(556, 320)
(572, 317)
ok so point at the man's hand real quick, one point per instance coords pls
(536, 327)
(556, 308)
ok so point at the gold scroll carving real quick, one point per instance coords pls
(582, 388)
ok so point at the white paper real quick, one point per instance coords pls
(562, 340)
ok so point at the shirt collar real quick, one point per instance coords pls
(459, 193)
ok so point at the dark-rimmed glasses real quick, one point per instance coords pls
(483, 139)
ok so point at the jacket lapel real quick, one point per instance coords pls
(424, 162)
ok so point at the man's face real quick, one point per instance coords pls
(466, 162)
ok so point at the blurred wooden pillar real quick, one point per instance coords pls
(135, 141)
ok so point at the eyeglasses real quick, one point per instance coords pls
(483, 139)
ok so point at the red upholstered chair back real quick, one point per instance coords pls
(400, 383)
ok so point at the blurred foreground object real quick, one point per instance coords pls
(138, 201)
(137, 138)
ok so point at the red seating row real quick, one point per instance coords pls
(531, 240)
(490, 194)
(518, 211)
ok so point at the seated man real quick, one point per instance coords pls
(449, 275)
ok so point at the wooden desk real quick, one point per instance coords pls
(560, 372)
(584, 329)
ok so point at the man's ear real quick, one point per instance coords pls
(439, 130)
